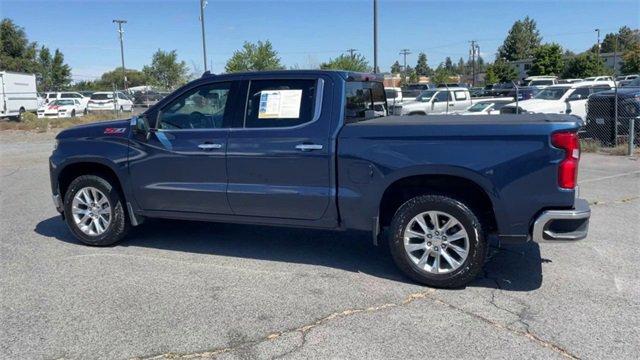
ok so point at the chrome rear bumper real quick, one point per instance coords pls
(563, 225)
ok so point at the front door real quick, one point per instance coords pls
(279, 158)
(182, 164)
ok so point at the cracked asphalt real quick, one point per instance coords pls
(200, 290)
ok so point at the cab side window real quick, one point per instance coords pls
(280, 103)
(443, 96)
(579, 94)
(203, 107)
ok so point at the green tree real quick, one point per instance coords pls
(461, 68)
(501, 71)
(490, 76)
(584, 65)
(422, 67)
(254, 57)
(626, 37)
(396, 68)
(448, 64)
(44, 68)
(631, 60)
(134, 78)
(441, 75)
(165, 70)
(521, 41)
(547, 60)
(355, 62)
(16, 52)
(60, 73)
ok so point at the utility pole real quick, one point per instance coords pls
(121, 32)
(203, 3)
(351, 52)
(375, 36)
(473, 63)
(404, 53)
(598, 31)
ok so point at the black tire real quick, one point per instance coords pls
(21, 114)
(73, 113)
(119, 224)
(471, 266)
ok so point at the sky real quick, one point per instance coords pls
(305, 33)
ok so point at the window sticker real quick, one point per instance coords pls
(280, 104)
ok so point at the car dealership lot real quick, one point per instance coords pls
(233, 291)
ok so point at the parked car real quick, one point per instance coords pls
(599, 78)
(310, 155)
(146, 98)
(601, 114)
(394, 95)
(540, 82)
(105, 101)
(560, 99)
(502, 89)
(626, 80)
(411, 91)
(523, 92)
(18, 94)
(569, 81)
(437, 101)
(61, 108)
(452, 85)
(487, 107)
(51, 96)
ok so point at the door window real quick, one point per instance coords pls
(443, 96)
(280, 103)
(579, 94)
(203, 107)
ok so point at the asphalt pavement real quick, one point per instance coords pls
(199, 290)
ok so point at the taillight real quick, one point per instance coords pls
(568, 167)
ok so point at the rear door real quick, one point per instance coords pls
(279, 160)
(182, 165)
(577, 102)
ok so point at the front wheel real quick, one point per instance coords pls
(438, 241)
(94, 211)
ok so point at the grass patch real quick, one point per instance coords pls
(590, 145)
(30, 122)
(620, 150)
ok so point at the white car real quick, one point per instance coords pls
(541, 82)
(50, 96)
(394, 95)
(61, 108)
(487, 107)
(106, 101)
(599, 78)
(437, 101)
(560, 99)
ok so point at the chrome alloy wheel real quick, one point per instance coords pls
(91, 211)
(436, 242)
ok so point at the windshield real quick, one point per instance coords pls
(426, 95)
(103, 96)
(479, 107)
(62, 102)
(391, 93)
(552, 93)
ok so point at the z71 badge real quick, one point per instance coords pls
(114, 131)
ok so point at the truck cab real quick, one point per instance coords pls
(436, 101)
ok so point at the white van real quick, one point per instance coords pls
(17, 94)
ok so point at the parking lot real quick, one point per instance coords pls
(187, 289)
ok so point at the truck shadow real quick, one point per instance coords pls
(513, 268)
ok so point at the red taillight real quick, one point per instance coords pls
(568, 168)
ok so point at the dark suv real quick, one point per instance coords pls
(601, 114)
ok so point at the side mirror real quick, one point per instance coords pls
(140, 127)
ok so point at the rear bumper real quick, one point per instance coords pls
(563, 225)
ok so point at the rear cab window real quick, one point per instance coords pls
(364, 100)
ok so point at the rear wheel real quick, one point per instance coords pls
(94, 211)
(437, 241)
(21, 114)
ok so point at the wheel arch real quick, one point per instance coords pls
(75, 169)
(478, 197)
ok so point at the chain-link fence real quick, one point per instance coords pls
(610, 112)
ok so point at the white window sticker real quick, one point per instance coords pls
(280, 104)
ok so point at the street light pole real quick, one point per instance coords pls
(203, 3)
(375, 36)
(598, 31)
(121, 32)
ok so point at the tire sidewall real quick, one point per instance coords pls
(116, 229)
(477, 245)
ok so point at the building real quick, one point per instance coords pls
(611, 60)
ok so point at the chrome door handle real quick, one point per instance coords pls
(206, 146)
(309, 147)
